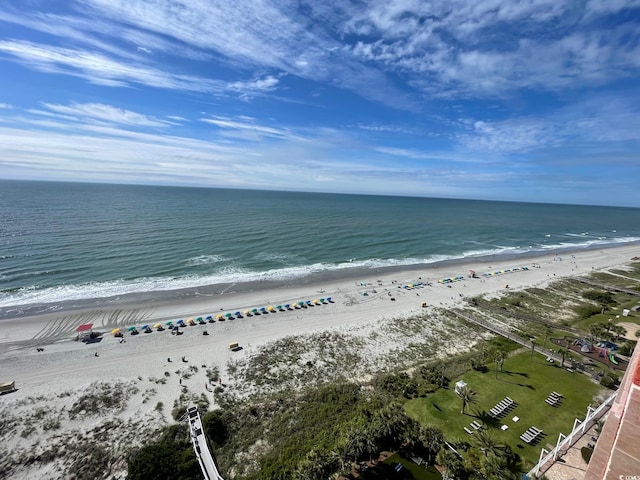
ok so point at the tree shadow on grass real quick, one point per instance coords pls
(486, 418)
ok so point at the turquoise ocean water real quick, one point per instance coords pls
(78, 243)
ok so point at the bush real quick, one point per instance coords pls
(587, 311)
(609, 381)
(586, 453)
(627, 348)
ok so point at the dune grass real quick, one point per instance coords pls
(528, 382)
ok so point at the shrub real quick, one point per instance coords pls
(587, 311)
(586, 453)
(609, 381)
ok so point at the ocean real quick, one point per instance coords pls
(79, 244)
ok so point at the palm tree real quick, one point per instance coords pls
(467, 396)
(618, 331)
(564, 353)
(451, 462)
(596, 330)
(432, 439)
(487, 444)
(500, 357)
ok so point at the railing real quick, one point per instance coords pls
(548, 458)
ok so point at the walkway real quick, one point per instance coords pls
(205, 459)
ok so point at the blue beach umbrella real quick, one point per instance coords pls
(263, 309)
(287, 306)
(238, 314)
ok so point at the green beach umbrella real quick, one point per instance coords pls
(131, 329)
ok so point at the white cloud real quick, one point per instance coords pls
(105, 114)
(100, 69)
(5, 106)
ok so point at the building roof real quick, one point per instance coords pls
(617, 454)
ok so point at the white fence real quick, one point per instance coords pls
(547, 458)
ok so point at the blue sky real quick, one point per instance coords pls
(532, 100)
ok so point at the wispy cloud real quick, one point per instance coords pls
(5, 106)
(100, 69)
(98, 112)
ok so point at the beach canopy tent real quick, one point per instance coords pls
(84, 331)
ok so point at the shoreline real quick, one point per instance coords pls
(50, 327)
(157, 372)
(316, 279)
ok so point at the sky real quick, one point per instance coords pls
(516, 100)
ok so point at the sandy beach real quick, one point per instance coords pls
(52, 370)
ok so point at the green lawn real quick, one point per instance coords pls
(528, 383)
(418, 472)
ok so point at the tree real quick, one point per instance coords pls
(597, 331)
(533, 347)
(452, 463)
(432, 439)
(487, 444)
(563, 355)
(618, 331)
(500, 356)
(467, 396)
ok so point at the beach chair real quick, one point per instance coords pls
(470, 432)
(556, 394)
(511, 402)
(476, 425)
(526, 438)
(553, 403)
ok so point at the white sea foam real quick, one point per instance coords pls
(53, 295)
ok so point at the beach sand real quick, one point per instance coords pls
(55, 379)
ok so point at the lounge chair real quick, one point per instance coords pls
(470, 432)
(526, 438)
(509, 400)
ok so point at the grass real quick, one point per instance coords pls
(417, 472)
(528, 383)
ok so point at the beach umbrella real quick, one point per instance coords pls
(254, 310)
(279, 307)
(301, 303)
(329, 299)
(115, 330)
(131, 329)
(237, 314)
(209, 317)
(287, 306)
(247, 312)
(199, 319)
(263, 309)
(157, 325)
(228, 315)
(308, 302)
(144, 327)
(322, 300)
(219, 316)
(190, 320)
(169, 323)
(270, 308)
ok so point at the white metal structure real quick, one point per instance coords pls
(547, 458)
(200, 447)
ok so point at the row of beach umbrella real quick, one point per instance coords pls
(221, 317)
